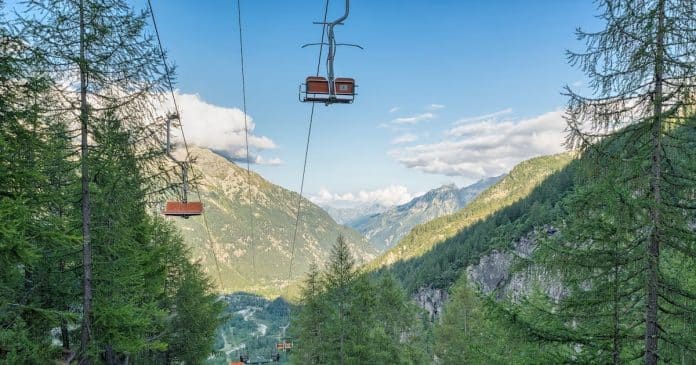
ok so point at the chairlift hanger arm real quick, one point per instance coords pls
(171, 117)
(344, 17)
(336, 44)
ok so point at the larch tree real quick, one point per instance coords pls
(310, 346)
(35, 208)
(641, 71)
(103, 62)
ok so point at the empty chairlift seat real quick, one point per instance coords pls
(317, 85)
(183, 209)
(345, 86)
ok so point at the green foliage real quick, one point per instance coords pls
(151, 304)
(640, 66)
(345, 318)
(473, 331)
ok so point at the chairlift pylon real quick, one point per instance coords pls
(330, 90)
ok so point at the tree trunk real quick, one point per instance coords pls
(86, 244)
(343, 329)
(109, 355)
(652, 333)
(616, 345)
(65, 335)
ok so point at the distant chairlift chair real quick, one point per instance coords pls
(183, 208)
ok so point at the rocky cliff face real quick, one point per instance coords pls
(493, 272)
(431, 300)
(494, 275)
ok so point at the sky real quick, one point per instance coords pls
(450, 91)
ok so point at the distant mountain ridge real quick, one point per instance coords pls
(261, 265)
(344, 215)
(385, 228)
(517, 184)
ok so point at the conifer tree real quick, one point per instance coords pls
(34, 209)
(338, 278)
(598, 256)
(104, 63)
(641, 72)
(475, 330)
(310, 347)
(347, 318)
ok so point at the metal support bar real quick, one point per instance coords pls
(332, 50)
(182, 164)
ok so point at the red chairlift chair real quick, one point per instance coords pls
(183, 208)
(330, 89)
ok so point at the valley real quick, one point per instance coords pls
(347, 182)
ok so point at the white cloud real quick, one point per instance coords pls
(388, 196)
(477, 118)
(404, 138)
(436, 106)
(394, 109)
(414, 119)
(222, 129)
(486, 147)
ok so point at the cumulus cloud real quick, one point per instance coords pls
(404, 138)
(394, 109)
(414, 119)
(222, 129)
(489, 116)
(485, 146)
(388, 196)
(436, 106)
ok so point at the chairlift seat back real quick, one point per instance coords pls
(317, 85)
(344, 86)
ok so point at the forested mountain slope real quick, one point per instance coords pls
(434, 253)
(260, 265)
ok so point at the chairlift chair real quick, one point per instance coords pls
(182, 208)
(330, 89)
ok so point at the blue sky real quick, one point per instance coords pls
(450, 90)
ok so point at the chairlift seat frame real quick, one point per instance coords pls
(183, 209)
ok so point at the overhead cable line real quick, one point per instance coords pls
(309, 135)
(246, 142)
(183, 135)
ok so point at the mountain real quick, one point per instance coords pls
(261, 265)
(344, 215)
(434, 253)
(386, 228)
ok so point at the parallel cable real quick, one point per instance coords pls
(183, 136)
(246, 142)
(309, 135)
